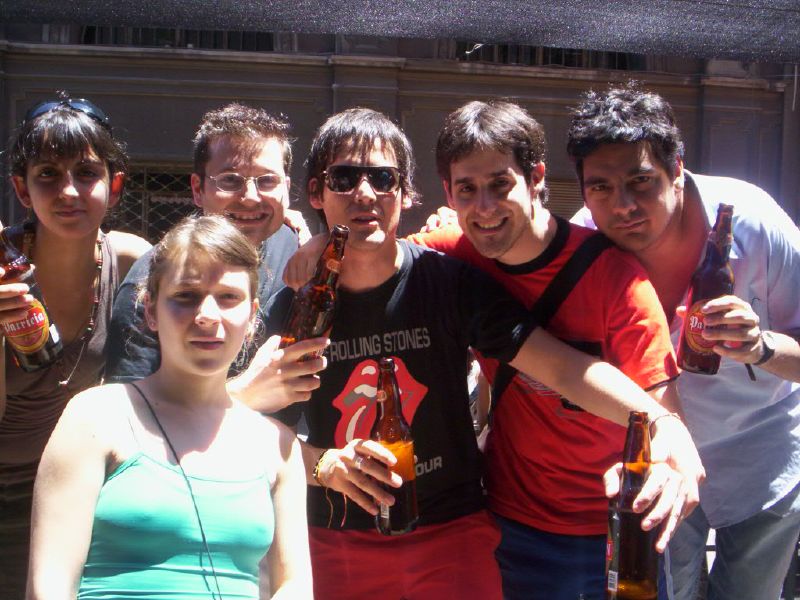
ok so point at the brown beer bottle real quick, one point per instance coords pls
(311, 312)
(392, 431)
(712, 279)
(33, 339)
(631, 557)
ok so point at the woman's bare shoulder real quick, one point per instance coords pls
(97, 403)
(271, 433)
(128, 247)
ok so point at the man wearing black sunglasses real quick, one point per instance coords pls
(343, 179)
(242, 158)
(425, 310)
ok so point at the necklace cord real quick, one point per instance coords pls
(28, 242)
(189, 486)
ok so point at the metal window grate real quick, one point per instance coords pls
(250, 41)
(154, 200)
(539, 56)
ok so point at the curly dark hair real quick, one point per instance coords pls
(627, 114)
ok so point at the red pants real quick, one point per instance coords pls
(453, 560)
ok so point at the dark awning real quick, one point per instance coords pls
(751, 30)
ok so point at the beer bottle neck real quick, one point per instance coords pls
(327, 273)
(723, 246)
(718, 250)
(635, 459)
(390, 425)
(12, 260)
(388, 403)
(721, 236)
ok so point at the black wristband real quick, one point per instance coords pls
(768, 343)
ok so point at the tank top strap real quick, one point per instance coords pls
(134, 422)
(109, 283)
(111, 273)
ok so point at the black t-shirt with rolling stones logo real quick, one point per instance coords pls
(426, 317)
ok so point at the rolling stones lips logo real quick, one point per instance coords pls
(357, 400)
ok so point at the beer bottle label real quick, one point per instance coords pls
(29, 334)
(613, 583)
(384, 508)
(695, 323)
(612, 551)
(333, 265)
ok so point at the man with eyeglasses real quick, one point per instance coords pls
(425, 310)
(242, 157)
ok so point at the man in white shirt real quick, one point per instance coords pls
(628, 153)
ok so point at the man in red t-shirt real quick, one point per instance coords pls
(546, 456)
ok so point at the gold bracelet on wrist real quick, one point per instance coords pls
(315, 473)
(663, 415)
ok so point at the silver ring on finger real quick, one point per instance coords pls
(358, 462)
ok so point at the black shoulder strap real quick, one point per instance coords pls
(553, 296)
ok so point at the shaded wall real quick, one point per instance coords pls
(738, 126)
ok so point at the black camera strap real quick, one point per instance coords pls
(551, 299)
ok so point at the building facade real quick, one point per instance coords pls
(738, 119)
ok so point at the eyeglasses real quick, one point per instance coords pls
(79, 104)
(343, 179)
(232, 183)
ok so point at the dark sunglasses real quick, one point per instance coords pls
(79, 104)
(343, 179)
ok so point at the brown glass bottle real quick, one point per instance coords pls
(712, 279)
(631, 557)
(392, 431)
(34, 339)
(311, 312)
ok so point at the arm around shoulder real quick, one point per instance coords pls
(595, 386)
(68, 482)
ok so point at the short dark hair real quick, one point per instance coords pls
(494, 125)
(64, 132)
(357, 130)
(246, 122)
(625, 114)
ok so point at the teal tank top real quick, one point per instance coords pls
(146, 543)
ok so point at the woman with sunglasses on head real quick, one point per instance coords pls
(67, 170)
(168, 487)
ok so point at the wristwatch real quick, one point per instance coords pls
(768, 343)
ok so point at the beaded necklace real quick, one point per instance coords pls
(28, 241)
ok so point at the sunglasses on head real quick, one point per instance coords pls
(78, 104)
(345, 178)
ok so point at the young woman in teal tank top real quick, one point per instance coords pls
(168, 487)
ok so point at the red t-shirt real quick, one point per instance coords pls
(545, 456)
